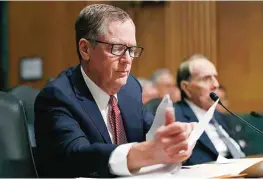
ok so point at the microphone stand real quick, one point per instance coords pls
(214, 97)
(250, 125)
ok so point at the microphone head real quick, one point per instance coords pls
(213, 96)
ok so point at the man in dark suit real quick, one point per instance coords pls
(89, 120)
(196, 78)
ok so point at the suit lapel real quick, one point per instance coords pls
(88, 103)
(130, 115)
(189, 114)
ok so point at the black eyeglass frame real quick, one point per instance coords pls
(127, 48)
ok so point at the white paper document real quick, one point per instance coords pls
(230, 167)
(202, 124)
(159, 119)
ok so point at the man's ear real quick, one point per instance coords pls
(84, 49)
(185, 87)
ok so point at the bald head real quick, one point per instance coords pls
(197, 77)
(201, 66)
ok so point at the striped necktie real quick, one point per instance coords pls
(116, 122)
(231, 145)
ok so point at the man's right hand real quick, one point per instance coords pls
(169, 146)
(171, 141)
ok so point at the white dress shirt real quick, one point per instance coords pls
(118, 158)
(210, 130)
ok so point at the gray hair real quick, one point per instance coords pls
(158, 73)
(93, 19)
(144, 82)
(184, 71)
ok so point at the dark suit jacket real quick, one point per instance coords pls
(204, 150)
(71, 136)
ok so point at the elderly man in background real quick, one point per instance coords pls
(164, 82)
(149, 91)
(197, 78)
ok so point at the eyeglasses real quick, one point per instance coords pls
(120, 49)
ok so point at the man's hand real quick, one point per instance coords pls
(169, 146)
(171, 141)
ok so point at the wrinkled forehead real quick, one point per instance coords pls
(202, 67)
(120, 32)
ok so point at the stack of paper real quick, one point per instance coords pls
(230, 168)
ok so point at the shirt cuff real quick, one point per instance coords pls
(118, 160)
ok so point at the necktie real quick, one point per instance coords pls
(116, 122)
(229, 142)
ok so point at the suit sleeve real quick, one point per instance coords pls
(63, 148)
(148, 118)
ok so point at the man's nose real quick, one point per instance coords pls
(215, 82)
(126, 58)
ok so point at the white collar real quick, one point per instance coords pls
(100, 96)
(199, 112)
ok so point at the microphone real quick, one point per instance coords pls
(214, 97)
(256, 114)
